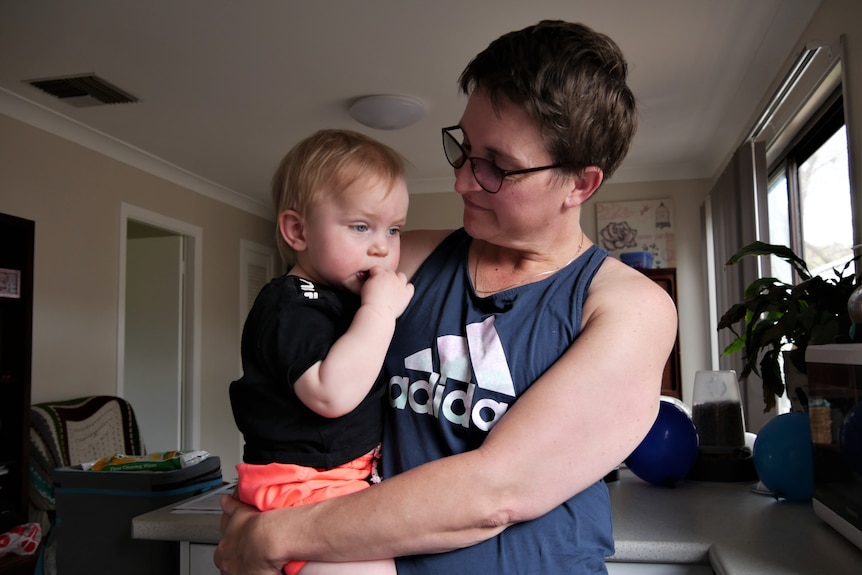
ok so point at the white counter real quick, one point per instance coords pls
(727, 526)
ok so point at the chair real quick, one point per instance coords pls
(71, 432)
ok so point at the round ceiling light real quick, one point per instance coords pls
(387, 111)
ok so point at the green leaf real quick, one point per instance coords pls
(736, 345)
(764, 249)
(735, 314)
(774, 315)
(773, 384)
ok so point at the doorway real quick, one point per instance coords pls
(158, 365)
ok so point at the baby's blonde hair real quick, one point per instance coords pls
(330, 159)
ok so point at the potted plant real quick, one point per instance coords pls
(780, 316)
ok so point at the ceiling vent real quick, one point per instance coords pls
(83, 91)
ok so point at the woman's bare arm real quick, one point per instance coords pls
(417, 245)
(577, 422)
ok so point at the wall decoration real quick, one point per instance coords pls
(10, 283)
(638, 228)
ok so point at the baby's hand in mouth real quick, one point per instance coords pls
(363, 275)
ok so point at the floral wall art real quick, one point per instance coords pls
(638, 226)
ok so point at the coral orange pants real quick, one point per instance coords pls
(278, 485)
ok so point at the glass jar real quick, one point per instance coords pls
(717, 411)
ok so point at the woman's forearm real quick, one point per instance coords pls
(430, 517)
(433, 514)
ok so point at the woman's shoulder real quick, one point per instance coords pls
(618, 287)
(416, 245)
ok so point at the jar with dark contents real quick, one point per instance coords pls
(717, 411)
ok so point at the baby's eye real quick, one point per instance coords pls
(394, 231)
(360, 227)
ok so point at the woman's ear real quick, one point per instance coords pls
(585, 185)
(292, 229)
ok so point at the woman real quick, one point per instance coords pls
(527, 365)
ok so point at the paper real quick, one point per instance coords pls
(643, 225)
(208, 503)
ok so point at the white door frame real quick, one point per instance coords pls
(191, 431)
(251, 254)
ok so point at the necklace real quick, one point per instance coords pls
(522, 280)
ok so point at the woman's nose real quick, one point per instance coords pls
(465, 180)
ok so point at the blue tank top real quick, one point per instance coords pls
(456, 365)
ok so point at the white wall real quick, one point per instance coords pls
(152, 362)
(74, 195)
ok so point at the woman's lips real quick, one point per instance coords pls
(472, 205)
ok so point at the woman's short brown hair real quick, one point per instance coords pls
(572, 81)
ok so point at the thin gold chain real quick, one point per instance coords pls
(523, 280)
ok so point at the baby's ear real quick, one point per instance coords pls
(292, 229)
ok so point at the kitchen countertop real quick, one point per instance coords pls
(725, 525)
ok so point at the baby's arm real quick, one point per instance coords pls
(335, 385)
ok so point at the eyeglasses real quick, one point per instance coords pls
(488, 175)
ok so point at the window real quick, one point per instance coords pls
(787, 184)
(808, 203)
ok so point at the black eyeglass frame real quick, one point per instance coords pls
(494, 168)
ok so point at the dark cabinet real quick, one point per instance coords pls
(671, 383)
(16, 318)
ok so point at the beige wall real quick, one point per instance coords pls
(74, 196)
(435, 211)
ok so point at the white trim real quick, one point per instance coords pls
(194, 261)
(251, 253)
(711, 282)
(837, 522)
(55, 123)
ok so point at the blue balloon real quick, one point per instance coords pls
(784, 456)
(669, 450)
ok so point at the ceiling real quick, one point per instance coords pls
(225, 88)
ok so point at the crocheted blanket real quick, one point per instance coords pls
(76, 431)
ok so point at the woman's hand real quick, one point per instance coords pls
(243, 544)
